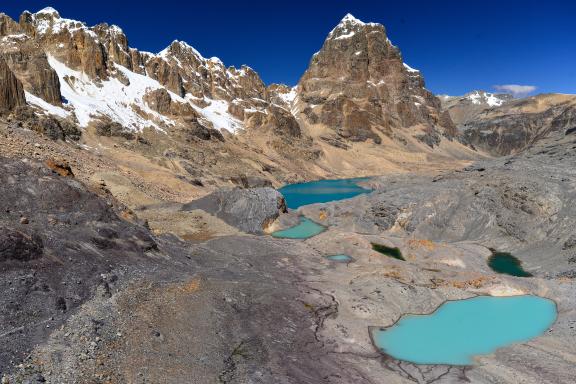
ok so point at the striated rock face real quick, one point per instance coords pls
(519, 124)
(28, 61)
(11, 90)
(463, 109)
(44, 216)
(359, 85)
(159, 100)
(250, 210)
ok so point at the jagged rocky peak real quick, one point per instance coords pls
(70, 41)
(359, 85)
(8, 26)
(191, 73)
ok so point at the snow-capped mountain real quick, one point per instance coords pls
(464, 108)
(357, 91)
(95, 75)
(479, 98)
(98, 75)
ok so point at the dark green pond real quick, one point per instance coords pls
(388, 251)
(503, 262)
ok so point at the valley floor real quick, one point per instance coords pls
(201, 301)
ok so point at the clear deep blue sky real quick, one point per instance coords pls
(458, 45)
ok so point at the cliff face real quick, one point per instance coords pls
(28, 61)
(11, 90)
(358, 85)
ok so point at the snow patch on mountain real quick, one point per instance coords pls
(49, 20)
(288, 97)
(346, 28)
(410, 69)
(47, 107)
(478, 97)
(217, 113)
(111, 98)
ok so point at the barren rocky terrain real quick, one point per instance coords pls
(135, 241)
(94, 298)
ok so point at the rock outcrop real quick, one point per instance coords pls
(250, 210)
(56, 241)
(11, 90)
(28, 61)
(359, 86)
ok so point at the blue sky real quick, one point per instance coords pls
(458, 45)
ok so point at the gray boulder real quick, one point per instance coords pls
(250, 210)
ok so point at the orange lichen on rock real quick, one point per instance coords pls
(462, 284)
(421, 243)
(61, 167)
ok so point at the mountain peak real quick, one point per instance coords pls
(177, 47)
(348, 27)
(349, 18)
(48, 11)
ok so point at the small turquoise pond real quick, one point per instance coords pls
(307, 228)
(340, 258)
(459, 330)
(321, 191)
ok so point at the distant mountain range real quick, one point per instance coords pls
(64, 77)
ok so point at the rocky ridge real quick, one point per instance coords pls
(463, 109)
(521, 124)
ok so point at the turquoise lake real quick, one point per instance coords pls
(307, 228)
(321, 191)
(459, 330)
(341, 258)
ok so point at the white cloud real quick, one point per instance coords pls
(515, 89)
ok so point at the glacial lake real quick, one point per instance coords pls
(460, 330)
(322, 191)
(340, 258)
(307, 228)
